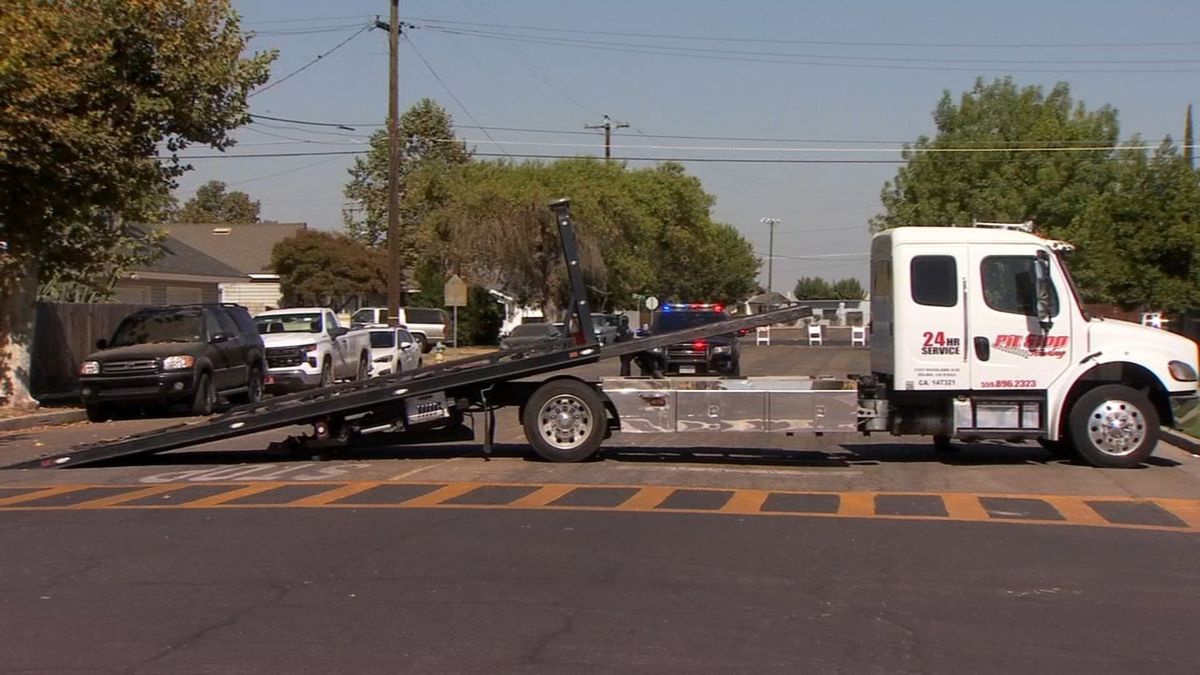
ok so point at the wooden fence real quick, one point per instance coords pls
(64, 334)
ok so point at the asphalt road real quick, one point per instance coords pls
(669, 554)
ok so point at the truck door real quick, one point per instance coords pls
(218, 351)
(337, 347)
(1011, 348)
(929, 318)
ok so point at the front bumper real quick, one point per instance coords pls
(1184, 408)
(164, 388)
(278, 381)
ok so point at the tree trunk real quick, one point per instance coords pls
(18, 294)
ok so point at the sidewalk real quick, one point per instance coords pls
(41, 417)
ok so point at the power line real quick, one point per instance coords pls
(838, 43)
(448, 91)
(800, 60)
(310, 64)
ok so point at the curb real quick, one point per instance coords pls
(43, 419)
(1181, 440)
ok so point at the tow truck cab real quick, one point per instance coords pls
(979, 333)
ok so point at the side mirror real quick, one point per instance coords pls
(406, 345)
(337, 331)
(101, 344)
(1045, 291)
(218, 338)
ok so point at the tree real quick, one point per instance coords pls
(326, 269)
(1139, 242)
(812, 288)
(848, 289)
(91, 93)
(427, 139)
(212, 204)
(1013, 180)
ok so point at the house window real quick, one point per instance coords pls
(935, 280)
(184, 295)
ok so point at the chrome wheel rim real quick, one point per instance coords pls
(565, 421)
(1116, 427)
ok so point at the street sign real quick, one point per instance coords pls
(456, 292)
(652, 303)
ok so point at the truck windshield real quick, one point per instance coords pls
(140, 329)
(666, 322)
(306, 322)
(1066, 270)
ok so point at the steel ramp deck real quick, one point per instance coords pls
(352, 398)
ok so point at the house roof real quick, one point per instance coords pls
(246, 247)
(180, 260)
(771, 298)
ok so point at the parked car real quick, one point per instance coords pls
(530, 334)
(306, 348)
(605, 327)
(393, 350)
(162, 356)
(718, 354)
(427, 324)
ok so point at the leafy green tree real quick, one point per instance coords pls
(327, 269)
(1022, 171)
(1139, 242)
(92, 92)
(427, 141)
(212, 204)
(812, 288)
(848, 289)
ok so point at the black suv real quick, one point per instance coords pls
(176, 354)
(717, 354)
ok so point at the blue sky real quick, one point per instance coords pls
(833, 80)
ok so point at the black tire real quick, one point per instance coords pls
(1113, 426)
(98, 412)
(364, 367)
(943, 445)
(205, 398)
(254, 388)
(326, 374)
(565, 421)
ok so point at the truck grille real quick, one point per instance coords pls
(131, 367)
(685, 352)
(284, 357)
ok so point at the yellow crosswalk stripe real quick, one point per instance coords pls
(746, 501)
(41, 494)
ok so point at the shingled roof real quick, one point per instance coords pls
(246, 247)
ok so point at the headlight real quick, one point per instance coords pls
(89, 368)
(179, 362)
(383, 359)
(656, 350)
(308, 348)
(721, 350)
(1184, 372)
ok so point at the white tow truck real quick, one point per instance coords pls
(306, 348)
(976, 333)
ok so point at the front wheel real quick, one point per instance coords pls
(564, 421)
(364, 367)
(205, 398)
(98, 412)
(1114, 426)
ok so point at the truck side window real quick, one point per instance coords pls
(934, 280)
(1009, 286)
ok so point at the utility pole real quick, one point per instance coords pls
(772, 222)
(608, 125)
(395, 276)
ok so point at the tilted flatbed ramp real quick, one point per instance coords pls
(353, 398)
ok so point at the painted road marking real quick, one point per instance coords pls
(1165, 515)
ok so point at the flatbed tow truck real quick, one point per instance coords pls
(977, 333)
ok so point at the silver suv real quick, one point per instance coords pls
(427, 324)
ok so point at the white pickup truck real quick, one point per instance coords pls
(307, 348)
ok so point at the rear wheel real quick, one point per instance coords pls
(205, 398)
(1114, 426)
(564, 421)
(254, 388)
(364, 367)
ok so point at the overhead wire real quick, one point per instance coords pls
(310, 64)
(448, 91)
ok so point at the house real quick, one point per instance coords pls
(246, 247)
(181, 275)
(515, 313)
